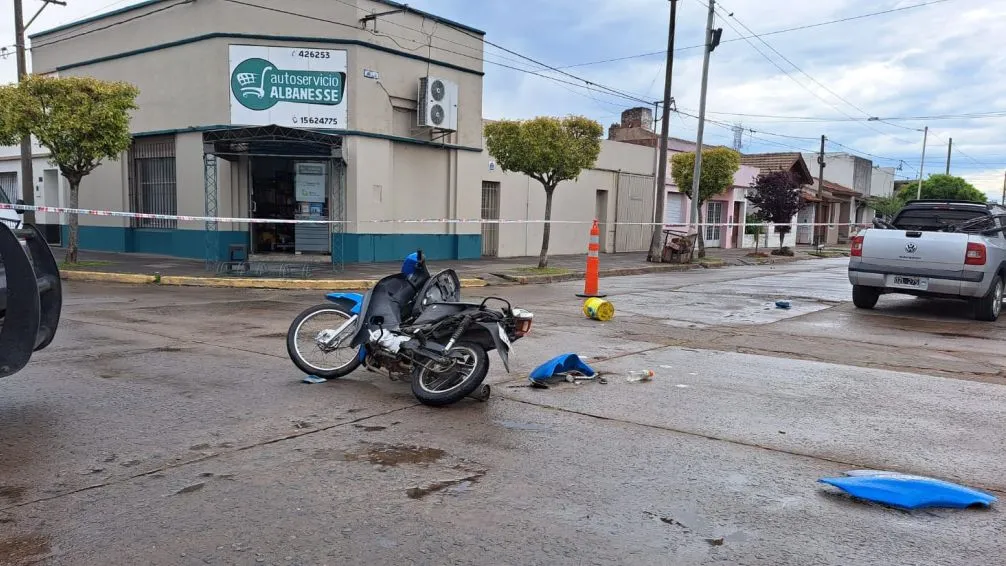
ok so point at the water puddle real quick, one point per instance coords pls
(20, 549)
(514, 425)
(395, 454)
(454, 487)
(12, 493)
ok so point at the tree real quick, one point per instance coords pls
(943, 187)
(777, 198)
(753, 227)
(718, 168)
(886, 207)
(81, 120)
(549, 150)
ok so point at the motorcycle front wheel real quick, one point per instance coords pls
(312, 357)
(444, 385)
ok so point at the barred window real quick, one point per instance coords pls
(8, 187)
(153, 181)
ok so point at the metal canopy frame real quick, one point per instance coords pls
(271, 141)
(232, 144)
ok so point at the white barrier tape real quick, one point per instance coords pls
(222, 219)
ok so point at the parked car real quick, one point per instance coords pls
(934, 248)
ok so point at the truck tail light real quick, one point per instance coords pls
(857, 246)
(976, 254)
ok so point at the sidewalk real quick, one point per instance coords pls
(144, 268)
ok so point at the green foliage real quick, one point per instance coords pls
(81, 120)
(753, 225)
(943, 187)
(549, 150)
(886, 207)
(718, 168)
(777, 198)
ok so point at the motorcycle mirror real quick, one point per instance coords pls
(20, 201)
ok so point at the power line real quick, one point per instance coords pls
(766, 34)
(962, 116)
(112, 25)
(587, 85)
(815, 81)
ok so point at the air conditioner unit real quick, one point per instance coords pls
(438, 104)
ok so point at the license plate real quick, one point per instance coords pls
(906, 282)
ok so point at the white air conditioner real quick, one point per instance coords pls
(438, 104)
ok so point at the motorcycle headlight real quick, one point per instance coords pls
(522, 321)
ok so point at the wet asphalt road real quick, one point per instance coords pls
(167, 426)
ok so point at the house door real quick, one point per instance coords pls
(674, 212)
(490, 211)
(714, 217)
(737, 231)
(601, 214)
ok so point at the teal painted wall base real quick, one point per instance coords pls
(370, 248)
(356, 248)
(177, 243)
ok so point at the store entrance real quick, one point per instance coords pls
(285, 188)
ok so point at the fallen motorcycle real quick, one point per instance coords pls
(410, 324)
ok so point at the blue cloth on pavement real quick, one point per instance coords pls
(564, 363)
(908, 491)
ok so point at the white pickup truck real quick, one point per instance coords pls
(934, 248)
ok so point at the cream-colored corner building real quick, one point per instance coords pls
(362, 111)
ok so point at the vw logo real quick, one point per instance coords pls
(911, 248)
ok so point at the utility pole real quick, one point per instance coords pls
(656, 249)
(1004, 191)
(656, 165)
(950, 147)
(922, 165)
(712, 40)
(820, 187)
(27, 175)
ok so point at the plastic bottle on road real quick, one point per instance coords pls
(639, 375)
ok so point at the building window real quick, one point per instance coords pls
(153, 181)
(490, 211)
(8, 187)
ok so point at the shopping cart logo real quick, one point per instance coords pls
(257, 84)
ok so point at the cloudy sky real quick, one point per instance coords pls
(923, 63)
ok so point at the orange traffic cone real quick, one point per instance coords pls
(593, 264)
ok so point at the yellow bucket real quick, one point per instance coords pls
(598, 309)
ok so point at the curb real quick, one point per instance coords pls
(578, 276)
(233, 283)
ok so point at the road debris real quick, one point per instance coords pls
(783, 305)
(637, 376)
(906, 491)
(565, 367)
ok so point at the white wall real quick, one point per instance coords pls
(522, 198)
(882, 184)
(41, 167)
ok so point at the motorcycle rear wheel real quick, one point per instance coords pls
(293, 348)
(451, 389)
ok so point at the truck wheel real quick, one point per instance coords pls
(988, 307)
(865, 297)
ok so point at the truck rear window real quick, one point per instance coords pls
(932, 219)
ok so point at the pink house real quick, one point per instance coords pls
(729, 207)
